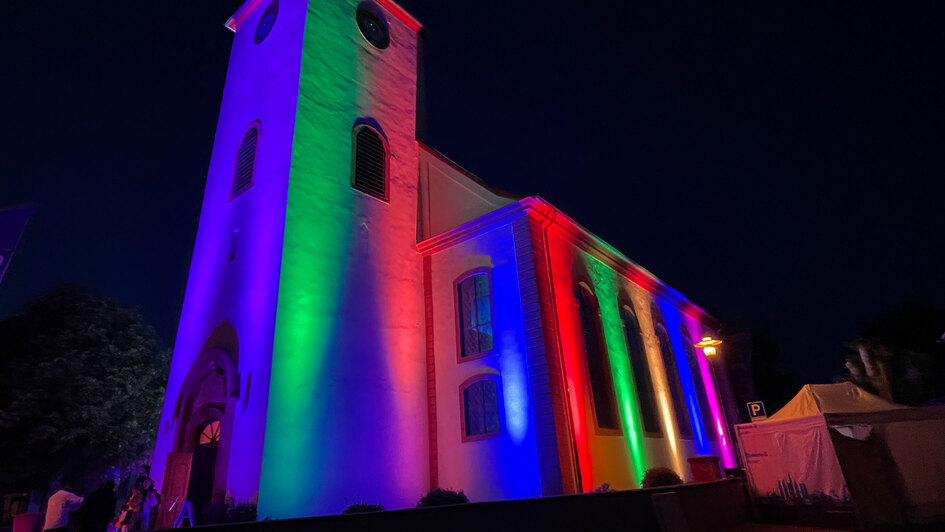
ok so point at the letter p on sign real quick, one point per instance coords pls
(756, 411)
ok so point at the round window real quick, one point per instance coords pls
(266, 22)
(373, 26)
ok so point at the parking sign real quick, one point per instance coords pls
(756, 411)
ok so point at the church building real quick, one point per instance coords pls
(365, 320)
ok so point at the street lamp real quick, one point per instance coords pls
(708, 345)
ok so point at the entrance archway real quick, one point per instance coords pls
(203, 416)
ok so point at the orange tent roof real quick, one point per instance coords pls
(840, 398)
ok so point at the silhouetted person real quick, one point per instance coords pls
(132, 507)
(58, 508)
(97, 511)
(149, 500)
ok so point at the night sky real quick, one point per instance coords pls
(781, 165)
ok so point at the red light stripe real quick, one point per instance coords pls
(399, 12)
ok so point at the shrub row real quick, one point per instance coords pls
(654, 477)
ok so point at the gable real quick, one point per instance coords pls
(451, 196)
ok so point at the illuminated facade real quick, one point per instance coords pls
(364, 320)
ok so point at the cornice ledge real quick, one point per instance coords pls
(568, 228)
(473, 227)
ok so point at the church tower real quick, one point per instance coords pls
(347, 412)
(298, 377)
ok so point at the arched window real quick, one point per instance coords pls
(642, 379)
(672, 375)
(693, 358)
(209, 434)
(480, 404)
(369, 170)
(598, 367)
(474, 301)
(245, 165)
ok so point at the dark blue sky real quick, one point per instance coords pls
(781, 165)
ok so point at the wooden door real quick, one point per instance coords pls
(200, 488)
(174, 489)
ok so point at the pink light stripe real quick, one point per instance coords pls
(728, 455)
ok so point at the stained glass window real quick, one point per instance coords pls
(475, 315)
(641, 370)
(481, 407)
(675, 384)
(598, 366)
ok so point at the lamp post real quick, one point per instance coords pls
(708, 346)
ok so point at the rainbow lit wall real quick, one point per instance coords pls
(347, 408)
(621, 457)
(504, 467)
(234, 272)
(510, 465)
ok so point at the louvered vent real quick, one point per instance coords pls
(245, 163)
(370, 163)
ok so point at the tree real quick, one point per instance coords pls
(81, 385)
(900, 355)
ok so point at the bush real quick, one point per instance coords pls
(442, 497)
(660, 476)
(241, 512)
(214, 513)
(363, 507)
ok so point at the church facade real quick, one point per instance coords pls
(365, 320)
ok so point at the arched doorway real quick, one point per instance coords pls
(203, 467)
(196, 471)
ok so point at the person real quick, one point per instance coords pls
(132, 507)
(98, 509)
(58, 507)
(150, 498)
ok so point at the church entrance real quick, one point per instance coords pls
(202, 469)
(196, 470)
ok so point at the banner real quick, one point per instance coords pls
(12, 224)
(793, 471)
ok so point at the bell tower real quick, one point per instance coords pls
(305, 293)
(347, 404)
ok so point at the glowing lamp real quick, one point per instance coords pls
(708, 345)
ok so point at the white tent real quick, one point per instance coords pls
(836, 455)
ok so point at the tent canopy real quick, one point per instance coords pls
(839, 398)
(839, 456)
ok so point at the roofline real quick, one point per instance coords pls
(580, 236)
(401, 14)
(241, 14)
(467, 230)
(473, 177)
(611, 256)
(249, 6)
